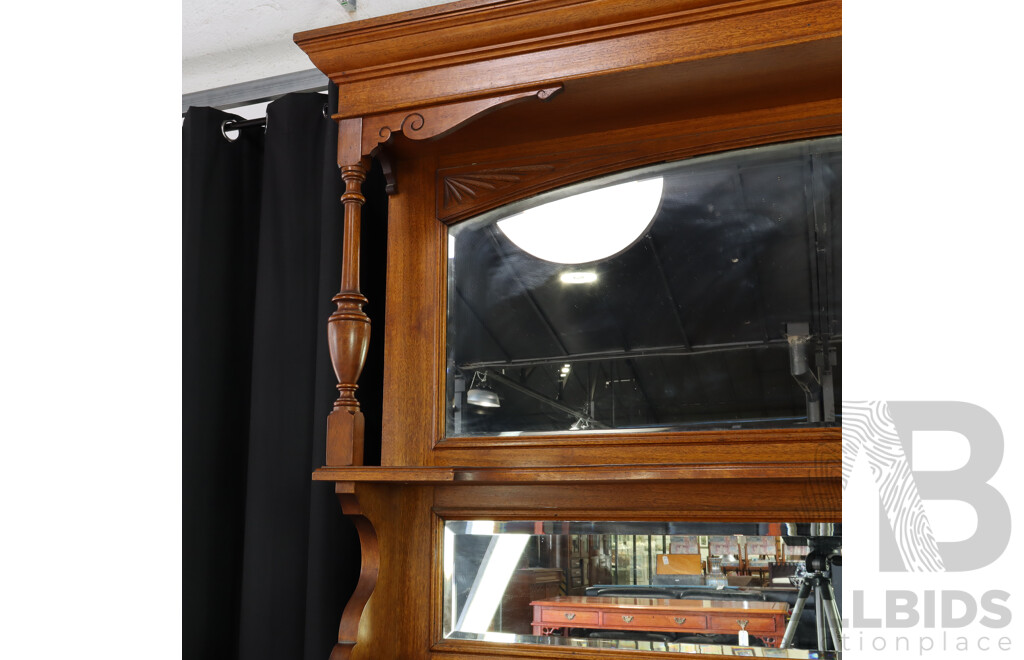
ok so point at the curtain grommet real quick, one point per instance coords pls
(224, 131)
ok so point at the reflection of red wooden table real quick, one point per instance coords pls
(764, 620)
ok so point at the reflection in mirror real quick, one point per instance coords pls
(711, 301)
(588, 226)
(738, 589)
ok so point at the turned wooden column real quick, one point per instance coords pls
(348, 330)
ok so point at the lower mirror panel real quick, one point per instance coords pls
(676, 587)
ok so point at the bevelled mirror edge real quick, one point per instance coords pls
(536, 571)
(520, 438)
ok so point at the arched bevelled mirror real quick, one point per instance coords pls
(698, 294)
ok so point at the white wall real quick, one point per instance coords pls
(225, 42)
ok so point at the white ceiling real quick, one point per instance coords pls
(224, 42)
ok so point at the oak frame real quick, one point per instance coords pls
(416, 421)
(453, 92)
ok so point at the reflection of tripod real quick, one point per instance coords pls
(826, 613)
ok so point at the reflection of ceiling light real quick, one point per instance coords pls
(485, 527)
(578, 277)
(499, 563)
(588, 226)
(482, 395)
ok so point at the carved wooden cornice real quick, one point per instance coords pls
(488, 47)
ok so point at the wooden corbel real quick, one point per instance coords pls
(369, 566)
(348, 329)
(359, 137)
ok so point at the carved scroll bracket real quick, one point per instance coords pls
(361, 136)
(369, 567)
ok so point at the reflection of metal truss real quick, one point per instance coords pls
(511, 384)
(632, 354)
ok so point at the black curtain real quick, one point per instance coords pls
(268, 558)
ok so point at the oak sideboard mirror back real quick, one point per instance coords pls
(612, 328)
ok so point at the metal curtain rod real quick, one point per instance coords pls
(234, 125)
(237, 124)
(255, 91)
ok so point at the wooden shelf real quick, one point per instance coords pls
(575, 474)
(373, 474)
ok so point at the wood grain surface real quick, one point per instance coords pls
(640, 83)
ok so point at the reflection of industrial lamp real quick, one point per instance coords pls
(480, 393)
